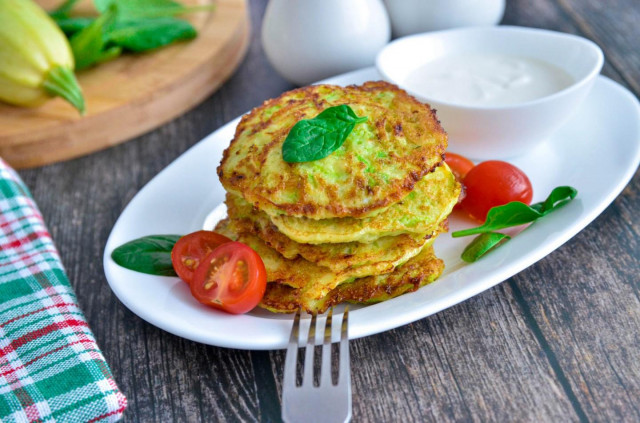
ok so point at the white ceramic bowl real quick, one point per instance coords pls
(485, 132)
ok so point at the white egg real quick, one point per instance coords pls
(308, 40)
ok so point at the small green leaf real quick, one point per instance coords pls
(140, 35)
(506, 216)
(517, 213)
(102, 5)
(314, 139)
(135, 9)
(149, 254)
(109, 54)
(482, 244)
(70, 26)
(63, 10)
(558, 198)
(89, 44)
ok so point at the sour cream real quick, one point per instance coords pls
(489, 80)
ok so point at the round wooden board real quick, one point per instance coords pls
(132, 94)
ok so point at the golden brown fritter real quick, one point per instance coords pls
(419, 271)
(360, 259)
(378, 164)
(420, 212)
(312, 281)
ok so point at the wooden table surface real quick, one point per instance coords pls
(560, 341)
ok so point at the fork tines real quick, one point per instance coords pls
(326, 402)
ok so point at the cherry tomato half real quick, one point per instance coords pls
(459, 165)
(191, 249)
(494, 183)
(232, 278)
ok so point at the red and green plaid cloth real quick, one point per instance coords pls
(50, 366)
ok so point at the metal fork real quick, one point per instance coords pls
(326, 402)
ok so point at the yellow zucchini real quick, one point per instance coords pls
(36, 62)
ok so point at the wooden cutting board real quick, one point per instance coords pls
(132, 94)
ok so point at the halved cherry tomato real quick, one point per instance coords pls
(494, 183)
(459, 165)
(191, 249)
(232, 278)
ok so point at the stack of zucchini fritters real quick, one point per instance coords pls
(355, 226)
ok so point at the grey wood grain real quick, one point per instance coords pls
(589, 313)
(477, 361)
(558, 342)
(583, 300)
(613, 26)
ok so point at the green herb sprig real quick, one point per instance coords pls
(89, 46)
(149, 254)
(63, 10)
(315, 139)
(143, 9)
(509, 215)
(123, 25)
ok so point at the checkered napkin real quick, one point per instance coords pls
(50, 366)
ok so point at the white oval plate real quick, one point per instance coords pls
(597, 152)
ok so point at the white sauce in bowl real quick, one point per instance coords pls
(487, 80)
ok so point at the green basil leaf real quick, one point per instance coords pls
(109, 54)
(149, 254)
(135, 9)
(71, 26)
(482, 244)
(558, 198)
(63, 10)
(102, 5)
(517, 213)
(538, 207)
(314, 139)
(140, 35)
(511, 214)
(506, 216)
(89, 44)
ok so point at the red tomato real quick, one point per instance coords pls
(191, 249)
(459, 165)
(494, 183)
(232, 278)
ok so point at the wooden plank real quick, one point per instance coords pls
(584, 299)
(477, 361)
(589, 311)
(548, 14)
(614, 28)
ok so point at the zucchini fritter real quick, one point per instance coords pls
(357, 225)
(419, 271)
(311, 281)
(420, 212)
(378, 164)
(363, 259)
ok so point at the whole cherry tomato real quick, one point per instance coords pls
(231, 278)
(191, 249)
(494, 183)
